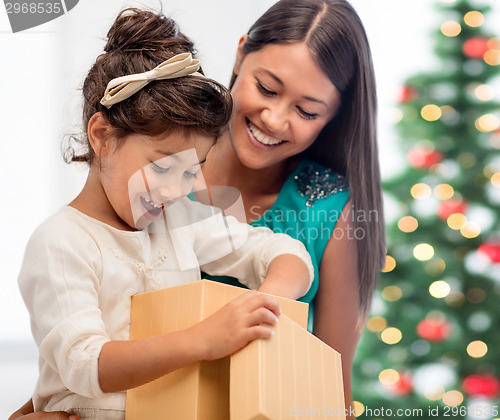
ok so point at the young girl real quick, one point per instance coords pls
(151, 117)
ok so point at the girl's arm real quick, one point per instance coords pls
(126, 364)
(273, 263)
(287, 276)
(338, 320)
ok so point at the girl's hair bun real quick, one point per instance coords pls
(138, 41)
(136, 29)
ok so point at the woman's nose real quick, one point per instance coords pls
(275, 117)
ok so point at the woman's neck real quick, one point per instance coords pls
(223, 167)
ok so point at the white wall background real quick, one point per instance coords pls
(41, 71)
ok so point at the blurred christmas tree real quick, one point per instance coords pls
(432, 341)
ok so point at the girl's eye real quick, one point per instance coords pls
(188, 174)
(306, 115)
(264, 91)
(159, 169)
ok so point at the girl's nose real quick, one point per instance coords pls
(170, 192)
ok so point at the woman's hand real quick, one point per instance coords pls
(26, 413)
(235, 325)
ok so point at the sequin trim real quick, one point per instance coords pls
(317, 182)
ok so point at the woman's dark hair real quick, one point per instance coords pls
(336, 38)
(138, 41)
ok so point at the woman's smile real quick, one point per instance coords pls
(262, 139)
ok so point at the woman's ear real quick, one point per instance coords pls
(98, 133)
(239, 54)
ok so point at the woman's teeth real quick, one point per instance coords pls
(261, 137)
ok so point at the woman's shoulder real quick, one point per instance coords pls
(313, 184)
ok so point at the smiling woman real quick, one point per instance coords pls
(274, 113)
(302, 141)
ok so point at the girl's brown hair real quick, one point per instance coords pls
(337, 40)
(137, 42)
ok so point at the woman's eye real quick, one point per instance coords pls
(188, 174)
(265, 91)
(159, 169)
(306, 115)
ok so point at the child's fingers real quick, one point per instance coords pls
(259, 300)
(259, 332)
(262, 315)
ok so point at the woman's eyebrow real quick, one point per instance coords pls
(308, 98)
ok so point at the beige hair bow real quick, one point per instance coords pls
(124, 87)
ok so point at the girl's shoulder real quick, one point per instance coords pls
(69, 228)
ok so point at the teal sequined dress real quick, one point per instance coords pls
(307, 208)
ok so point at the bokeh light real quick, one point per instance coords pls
(391, 335)
(487, 123)
(475, 295)
(431, 112)
(388, 377)
(470, 230)
(451, 28)
(420, 191)
(434, 392)
(466, 160)
(479, 321)
(474, 18)
(443, 192)
(423, 252)
(484, 92)
(456, 221)
(359, 407)
(493, 43)
(435, 266)
(392, 293)
(453, 398)
(455, 299)
(495, 180)
(492, 57)
(376, 324)
(439, 289)
(390, 264)
(477, 349)
(408, 224)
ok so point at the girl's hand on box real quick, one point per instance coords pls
(235, 325)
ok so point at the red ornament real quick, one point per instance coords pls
(421, 158)
(485, 385)
(491, 250)
(402, 387)
(449, 207)
(475, 47)
(407, 94)
(434, 330)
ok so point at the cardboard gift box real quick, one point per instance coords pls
(268, 379)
